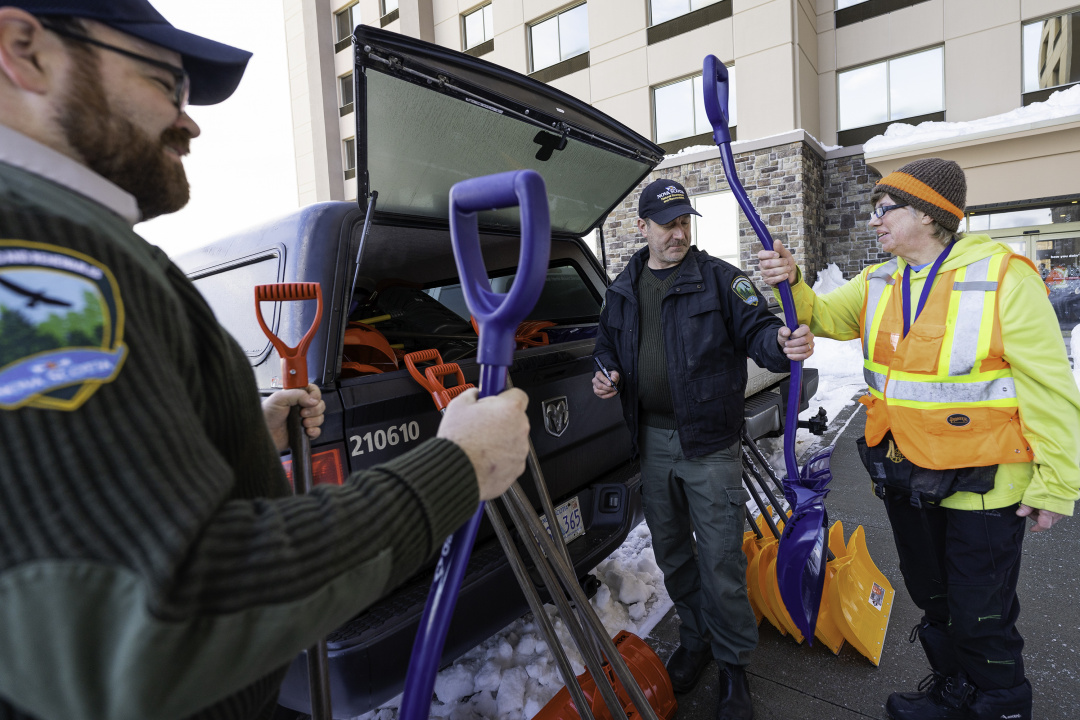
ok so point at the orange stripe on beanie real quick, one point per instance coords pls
(935, 186)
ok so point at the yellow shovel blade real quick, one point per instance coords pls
(771, 592)
(750, 549)
(864, 598)
(827, 630)
(758, 572)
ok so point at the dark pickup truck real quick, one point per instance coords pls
(428, 117)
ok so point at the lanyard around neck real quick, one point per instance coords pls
(927, 286)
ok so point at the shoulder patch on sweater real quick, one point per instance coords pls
(745, 290)
(61, 326)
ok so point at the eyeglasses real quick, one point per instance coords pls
(181, 87)
(879, 212)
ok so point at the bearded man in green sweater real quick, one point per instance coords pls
(153, 563)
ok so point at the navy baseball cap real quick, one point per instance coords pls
(215, 69)
(664, 200)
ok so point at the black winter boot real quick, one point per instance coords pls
(685, 666)
(939, 698)
(1010, 704)
(734, 702)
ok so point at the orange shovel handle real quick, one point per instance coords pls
(422, 356)
(293, 359)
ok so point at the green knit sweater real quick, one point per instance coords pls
(153, 563)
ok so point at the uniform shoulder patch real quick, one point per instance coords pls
(742, 287)
(61, 326)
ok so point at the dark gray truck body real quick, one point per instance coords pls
(428, 117)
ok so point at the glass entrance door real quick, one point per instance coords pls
(1057, 256)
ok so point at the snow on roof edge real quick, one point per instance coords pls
(1056, 109)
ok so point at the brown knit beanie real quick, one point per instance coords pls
(935, 186)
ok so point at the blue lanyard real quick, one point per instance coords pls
(927, 286)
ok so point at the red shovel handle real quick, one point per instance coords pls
(293, 359)
(420, 356)
(436, 375)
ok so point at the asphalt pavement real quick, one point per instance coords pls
(792, 681)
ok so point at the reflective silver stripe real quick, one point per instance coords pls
(969, 316)
(874, 380)
(875, 288)
(986, 286)
(949, 393)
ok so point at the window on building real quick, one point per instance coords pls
(345, 93)
(389, 6)
(902, 87)
(664, 10)
(717, 230)
(841, 4)
(349, 157)
(560, 37)
(345, 20)
(679, 108)
(1052, 52)
(478, 27)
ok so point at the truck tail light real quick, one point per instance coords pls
(327, 467)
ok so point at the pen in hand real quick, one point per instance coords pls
(606, 373)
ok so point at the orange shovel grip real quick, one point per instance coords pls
(293, 359)
(423, 356)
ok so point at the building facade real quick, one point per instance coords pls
(815, 84)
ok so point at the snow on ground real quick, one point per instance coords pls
(513, 674)
(1063, 103)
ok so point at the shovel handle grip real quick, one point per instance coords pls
(419, 356)
(436, 375)
(499, 314)
(715, 87)
(293, 359)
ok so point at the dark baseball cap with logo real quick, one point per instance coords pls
(215, 69)
(664, 200)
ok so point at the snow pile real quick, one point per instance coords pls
(1063, 103)
(513, 674)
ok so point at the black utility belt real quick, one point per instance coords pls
(889, 468)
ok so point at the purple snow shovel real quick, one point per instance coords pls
(497, 316)
(801, 557)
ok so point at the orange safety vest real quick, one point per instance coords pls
(945, 391)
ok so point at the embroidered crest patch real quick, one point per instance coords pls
(61, 326)
(745, 290)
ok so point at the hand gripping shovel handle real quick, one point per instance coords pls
(715, 85)
(498, 316)
(295, 375)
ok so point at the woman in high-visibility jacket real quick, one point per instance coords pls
(972, 425)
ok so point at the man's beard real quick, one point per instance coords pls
(113, 147)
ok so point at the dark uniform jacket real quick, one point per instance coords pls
(713, 318)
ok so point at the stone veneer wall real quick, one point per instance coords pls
(816, 207)
(849, 242)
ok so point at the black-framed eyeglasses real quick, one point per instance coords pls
(181, 88)
(879, 212)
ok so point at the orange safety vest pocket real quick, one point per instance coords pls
(920, 350)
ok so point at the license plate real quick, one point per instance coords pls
(569, 517)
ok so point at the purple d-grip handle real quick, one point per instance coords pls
(498, 316)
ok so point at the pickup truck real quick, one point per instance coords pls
(426, 118)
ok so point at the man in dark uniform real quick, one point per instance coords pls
(675, 332)
(153, 562)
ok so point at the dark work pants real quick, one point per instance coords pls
(960, 568)
(703, 496)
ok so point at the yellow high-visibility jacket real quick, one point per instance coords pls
(1028, 356)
